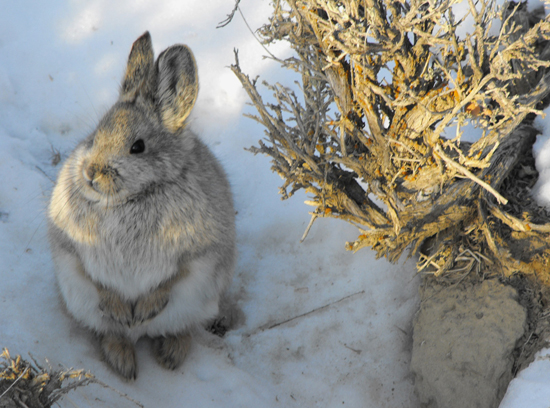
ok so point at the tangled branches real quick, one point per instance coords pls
(23, 384)
(385, 83)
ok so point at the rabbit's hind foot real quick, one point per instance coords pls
(171, 350)
(120, 354)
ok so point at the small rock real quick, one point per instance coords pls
(462, 344)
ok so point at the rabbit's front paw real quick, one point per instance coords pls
(114, 307)
(120, 354)
(148, 307)
(171, 350)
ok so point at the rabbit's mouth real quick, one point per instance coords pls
(102, 187)
(104, 199)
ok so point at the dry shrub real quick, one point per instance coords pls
(26, 385)
(388, 87)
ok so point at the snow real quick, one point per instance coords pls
(530, 388)
(324, 327)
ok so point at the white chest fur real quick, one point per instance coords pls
(131, 254)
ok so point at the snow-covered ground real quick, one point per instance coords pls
(324, 327)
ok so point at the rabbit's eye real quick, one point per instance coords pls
(137, 147)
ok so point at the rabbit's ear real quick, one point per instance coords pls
(178, 86)
(139, 71)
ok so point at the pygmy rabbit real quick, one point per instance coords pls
(141, 220)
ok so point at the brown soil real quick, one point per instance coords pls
(473, 336)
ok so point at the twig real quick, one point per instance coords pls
(229, 16)
(256, 38)
(95, 380)
(407, 148)
(318, 309)
(517, 224)
(15, 382)
(313, 218)
(354, 350)
(470, 175)
(44, 173)
(525, 344)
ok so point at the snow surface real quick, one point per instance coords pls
(530, 389)
(324, 327)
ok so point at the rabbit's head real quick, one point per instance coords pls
(141, 143)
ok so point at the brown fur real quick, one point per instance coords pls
(133, 313)
(114, 307)
(149, 306)
(140, 65)
(120, 354)
(170, 351)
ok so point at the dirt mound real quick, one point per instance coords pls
(464, 338)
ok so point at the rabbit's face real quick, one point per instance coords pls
(140, 144)
(129, 153)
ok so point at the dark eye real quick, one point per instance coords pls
(137, 147)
